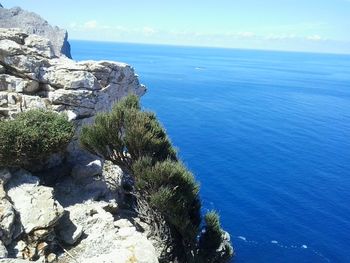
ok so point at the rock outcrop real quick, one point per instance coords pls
(32, 77)
(74, 221)
(32, 23)
(78, 218)
(34, 203)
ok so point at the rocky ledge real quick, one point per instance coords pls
(70, 222)
(74, 212)
(31, 76)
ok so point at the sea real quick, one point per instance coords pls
(267, 135)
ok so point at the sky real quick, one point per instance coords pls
(292, 25)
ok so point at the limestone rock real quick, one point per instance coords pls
(43, 45)
(7, 220)
(82, 171)
(7, 213)
(32, 78)
(35, 204)
(31, 23)
(15, 84)
(67, 231)
(104, 242)
(3, 250)
(112, 174)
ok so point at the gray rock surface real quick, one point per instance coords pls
(107, 240)
(34, 204)
(32, 78)
(67, 231)
(32, 23)
(7, 213)
(3, 250)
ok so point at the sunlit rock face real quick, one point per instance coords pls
(32, 23)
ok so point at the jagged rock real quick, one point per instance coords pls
(7, 213)
(14, 84)
(43, 45)
(104, 242)
(7, 220)
(35, 204)
(67, 231)
(82, 171)
(112, 174)
(3, 250)
(31, 23)
(32, 78)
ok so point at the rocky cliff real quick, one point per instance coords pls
(74, 213)
(32, 23)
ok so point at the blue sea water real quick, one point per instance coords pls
(266, 133)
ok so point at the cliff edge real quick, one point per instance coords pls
(32, 23)
(74, 212)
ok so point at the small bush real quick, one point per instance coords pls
(211, 240)
(32, 137)
(172, 190)
(126, 134)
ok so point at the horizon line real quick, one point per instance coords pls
(213, 47)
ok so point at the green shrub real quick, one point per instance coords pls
(172, 190)
(126, 134)
(135, 140)
(32, 137)
(211, 238)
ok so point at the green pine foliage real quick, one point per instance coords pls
(32, 137)
(136, 141)
(172, 190)
(211, 239)
(126, 134)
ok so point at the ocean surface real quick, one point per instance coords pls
(266, 133)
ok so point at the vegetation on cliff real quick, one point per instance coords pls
(32, 137)
(136, 141)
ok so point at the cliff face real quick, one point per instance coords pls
(73, 213)
(32, 23)
(31, 76)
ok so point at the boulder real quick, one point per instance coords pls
(34, 203)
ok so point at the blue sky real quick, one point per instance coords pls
(296, 25)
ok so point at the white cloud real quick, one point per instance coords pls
(148, 31)
(315, 38)
(246, 34)
(92, 24)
